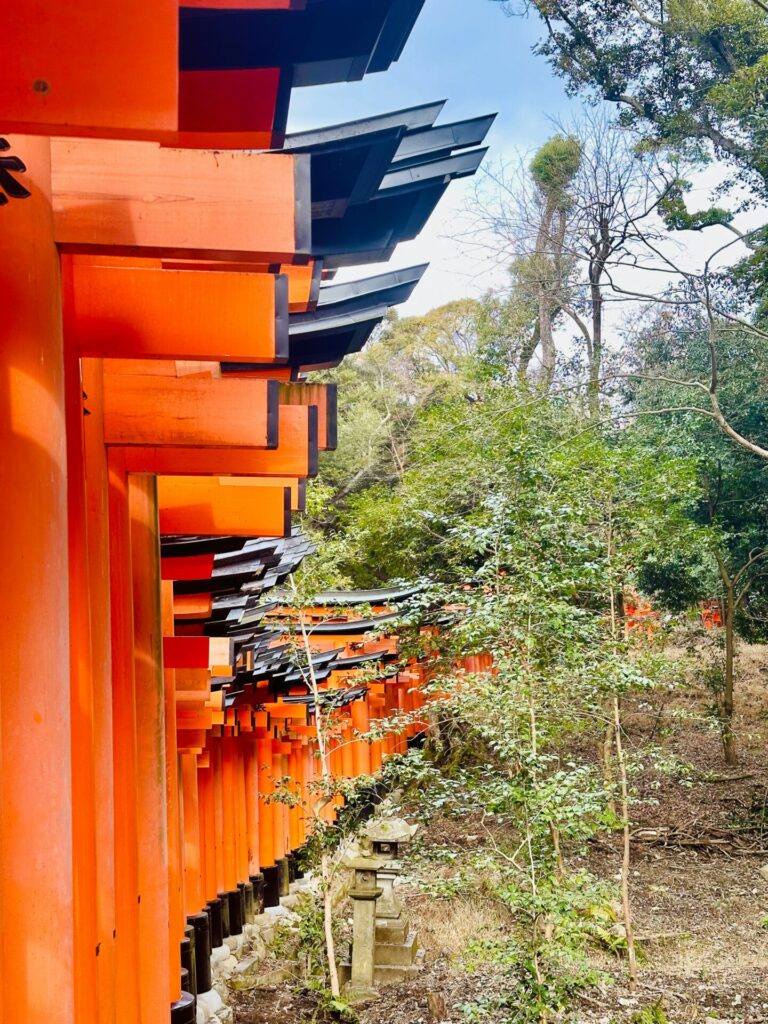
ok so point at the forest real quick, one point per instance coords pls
(573, 468)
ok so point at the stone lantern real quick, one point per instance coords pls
(364, 894)
(388, 836)
(397, 954)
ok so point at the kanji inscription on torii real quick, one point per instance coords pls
(10, 188)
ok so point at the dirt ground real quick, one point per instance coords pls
(700, 901)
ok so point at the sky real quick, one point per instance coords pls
(470, 53)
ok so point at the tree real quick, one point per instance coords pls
(733, 485)
(407, 365)
(688, 73)
(583, 211)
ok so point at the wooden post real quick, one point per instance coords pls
(193, 881)
(152, 835)
(361, 748)
(177, 917)
(124, 748)
(266, 810)
(97, 511)
(82, 711)
(36, 890)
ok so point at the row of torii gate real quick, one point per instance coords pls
(167, 263)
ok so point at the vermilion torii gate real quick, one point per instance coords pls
(160, 297)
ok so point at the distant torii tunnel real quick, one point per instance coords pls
(166, 255)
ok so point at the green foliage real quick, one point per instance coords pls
(690, 77)
(654, 1014)
(554, 166)
(675, 212)
(730, 501)
(693, 70)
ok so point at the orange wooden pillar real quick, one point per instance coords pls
(229, 791)
(193, 874)
(218, 813)
(81, 692)
(240, 806)
(390, 709)
(36, 889)
(278, 808)
(266, 808)
(97, 513)
(402, 735)
(294, 771)
(177, 916)
(346, 746)
(207, 829)
(268, 836)
(124, 749)
(252, 804)
(337, 768)
(361, 749)
(156, 992)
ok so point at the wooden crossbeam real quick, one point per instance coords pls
(297, 488)
(210, 506)
(172, 411)
(189, 567)
(140, 199)
(325, 397)
(197, 652)
(294, 456)
(152, 313)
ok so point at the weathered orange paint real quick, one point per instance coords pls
(135, 199)
(325, 397)
(148, 410)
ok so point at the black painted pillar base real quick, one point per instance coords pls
(226, 929)
(283, 876)
(236, 911)
(298, 856)
(200, 924)
(185, 1010)
(291, 858)
(257, 881)
(271, 887)
(216, 929)
(247, 890)
(188, 963)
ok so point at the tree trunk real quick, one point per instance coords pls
(625, 863)
(595, 352)
(526, 354)
(726, 713)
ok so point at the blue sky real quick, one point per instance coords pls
(468, 52)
